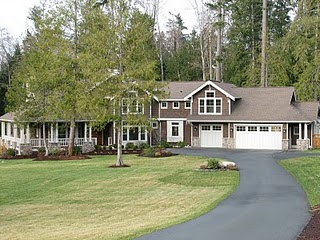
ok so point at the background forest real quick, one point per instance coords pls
(227, 42)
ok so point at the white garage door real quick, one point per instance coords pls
(258, 137)
(211, 135)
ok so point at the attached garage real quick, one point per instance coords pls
(211, 135)
(258, 137)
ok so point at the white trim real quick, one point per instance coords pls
(205, 106)
(170, 125)
(173, 107)
(172, 119)
(209, 83)
(172, 100)
(161, 107)
(247, 121)
(185, 107)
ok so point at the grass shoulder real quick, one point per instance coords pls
(307, 172)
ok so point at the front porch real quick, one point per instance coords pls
(31, 134)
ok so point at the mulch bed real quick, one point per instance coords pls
(61, 158)
(121, 166)
(312, 230)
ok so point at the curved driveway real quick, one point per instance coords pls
(268, 204)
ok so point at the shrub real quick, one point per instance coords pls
(213, 163)
(110, 147)
(77, 150)
(55, 151)
(129, 145)
(144, 145)
(11, 152)
(134, 147)
(96, 147)
(41, 150)
(181, 144)
(165, 144)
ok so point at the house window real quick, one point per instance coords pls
(241, 128)
(164, 105)
(134, 133)
(275, 129)
(132, 106)
(154, 125)
(216, 128)
(175, 105)
(252, 129)
(210, 94)
(206, 128)
(187, 104)
(264, 129)
(175, 129)
(125, 134)
(210, 104)
(296, 131)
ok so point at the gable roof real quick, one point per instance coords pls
(179, 90)
(270, 104)
(8, 117)
(225, 88)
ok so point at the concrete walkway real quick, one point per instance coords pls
(268, 204)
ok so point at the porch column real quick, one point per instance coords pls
(300, 131)
(51, 133)
(15, 132)
(22, 137)
(3, 129)
(57, 133)
(90, 134)
(85, 132)
(28, 134)
(287, 131)
(9, 129)
(305, 131)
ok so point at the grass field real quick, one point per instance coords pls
(307, 171)
(87, 200)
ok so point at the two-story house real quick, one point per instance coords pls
(200, 114)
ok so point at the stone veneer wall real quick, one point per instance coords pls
(303, 144)
(285, 144)
(196, 142)
(228, 143)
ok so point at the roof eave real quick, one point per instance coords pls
(210, 83)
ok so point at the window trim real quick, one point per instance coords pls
(128, 107)
(173, 107)
(185, 104)
(205, 106)
(154, 125)
(162, 107)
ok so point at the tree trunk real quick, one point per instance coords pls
(71, 137)
(264, 46)
(219, 44)
(119, 148)
(45, 140)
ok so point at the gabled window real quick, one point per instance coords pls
(210, 104)
(175, 105)
(164, 105)
(132, 106)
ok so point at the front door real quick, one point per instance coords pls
(294, 134)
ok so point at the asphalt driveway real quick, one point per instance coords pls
(268, 204)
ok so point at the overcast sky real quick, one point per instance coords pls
(13, 14)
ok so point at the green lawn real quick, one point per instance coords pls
(307, 171)
(87, 200)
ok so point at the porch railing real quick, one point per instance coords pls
(62, 141)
